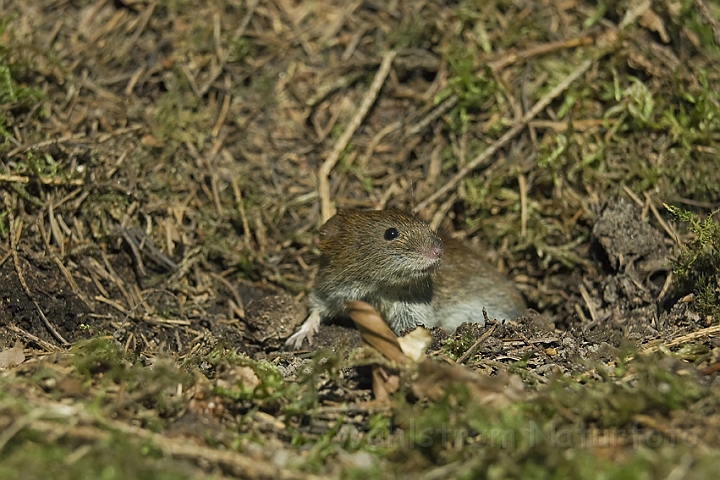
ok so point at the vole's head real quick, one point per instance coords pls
(384, 246)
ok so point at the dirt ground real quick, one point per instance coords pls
(165, 169)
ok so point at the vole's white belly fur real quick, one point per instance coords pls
(401, 315)
(401, 309)
(469, 311)
(408, 308)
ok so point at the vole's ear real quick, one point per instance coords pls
(331, 229)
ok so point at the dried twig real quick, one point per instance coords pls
(144, 20)
(522, 185)
(43, 144)
(14, 178)
(369, 98)
(299, 35)
(434, 114)
(690, 337)
(63, 269)
(633, 197)
(234, 291)
(251, 5)
(471, 351)
(506, 59)
(46, 345)
(588, 302)
(375, 141)
(14, 235)
(517, 128)
(240, 205)
(224, 109)
(668, 229)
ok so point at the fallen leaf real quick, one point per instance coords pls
(384, 383)
(430, 379)
(652, 21)
(150, 141)
(238, 376)
(415, 344)
(375, 332)
(12, 356)
(377, 335)
(71, 387)
(244, 376)
(434, 378)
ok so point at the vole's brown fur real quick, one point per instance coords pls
(406, 271)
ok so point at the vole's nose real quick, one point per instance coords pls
(435, 252)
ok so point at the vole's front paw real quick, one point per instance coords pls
(296, 339)
(307, 330)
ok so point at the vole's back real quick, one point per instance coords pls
(464, 284)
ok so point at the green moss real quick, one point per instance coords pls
(692, 114)
(4, 232)
(179, 7)
(414, 31)
(10, 90)
(691, 19)
(239, 49)
(270, 389)
(16, 96)
(473, 89)
(655, 389)
(30, 457)
(697, 268)
(100, 361)
(272, 393)
(635, 102)
(181, 116)
(556, 433)
(103, 209)
(455, 346)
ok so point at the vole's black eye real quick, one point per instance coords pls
(391, 234)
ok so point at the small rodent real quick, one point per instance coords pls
(407, 272)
